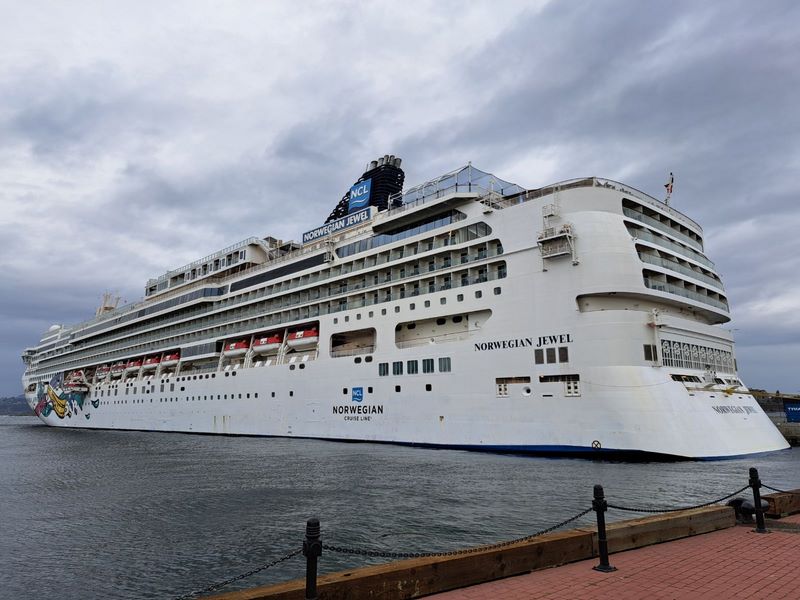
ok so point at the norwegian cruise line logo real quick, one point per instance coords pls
(358, 394)
(359, 195)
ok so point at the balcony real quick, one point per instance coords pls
(676, 266)
(662, 286)
(660, 225)
(683, 251)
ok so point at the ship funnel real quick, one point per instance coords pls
(373, 164)
(397, 162)
(380, 161)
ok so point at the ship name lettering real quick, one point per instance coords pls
(726, 409)
(549, 340)
(368, 409)
(504, 344)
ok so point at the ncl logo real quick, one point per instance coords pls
(359, 195)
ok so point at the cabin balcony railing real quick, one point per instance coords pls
(663, 286)
(676, 266)
(643, 234)
(665, 227)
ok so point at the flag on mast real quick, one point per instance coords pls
(670, 183)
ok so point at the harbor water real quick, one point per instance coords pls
(116, 514)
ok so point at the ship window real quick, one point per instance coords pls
(126, 391)
(369, 390)
(344, 391)
(427, 303)
(367, 359)
(255, 395)
(460, 297)
(412, 306)
(397, 309)
(273, 394)
(551, 355)
(444, 365)
(441, 321)
(563, 354)
(413, 367)
(358, 317)
(497, 291)
(538, 356)
(383, 311)
(357, 360)
(397, 367)
(650, 352)
(291, 393)
(458, 319)
(335, 320)
(397, 388)
(427, 365)
(383, 369)
(442, 300)
(371, 314)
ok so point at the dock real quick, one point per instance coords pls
(697, 553)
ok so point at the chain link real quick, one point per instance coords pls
(774, 489)
(389, 554)
(665, 510)
(221, 584)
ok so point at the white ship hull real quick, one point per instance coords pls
(602, 399)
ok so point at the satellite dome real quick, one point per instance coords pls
(54, 327)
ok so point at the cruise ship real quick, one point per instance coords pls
(580, 318)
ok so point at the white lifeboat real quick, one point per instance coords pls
(238, 348)
(102, 372)
(117, 369)
(151, 362)
(302, 338)
(170, 359)
(133, 365)
(268, 343)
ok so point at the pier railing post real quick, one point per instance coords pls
(755, 483)
(312, 549)
(600, 506)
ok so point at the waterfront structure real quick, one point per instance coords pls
(467, 312)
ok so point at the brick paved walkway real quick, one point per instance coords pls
(729, 564)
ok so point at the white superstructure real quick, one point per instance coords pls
(577, 318)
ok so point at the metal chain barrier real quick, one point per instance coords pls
(221, 584)
(388, 554)
(664, 510)
(774, 489)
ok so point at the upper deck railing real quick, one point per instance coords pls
(614, 185)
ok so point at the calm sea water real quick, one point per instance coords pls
(99, 514)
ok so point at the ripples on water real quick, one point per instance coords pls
(101, 514)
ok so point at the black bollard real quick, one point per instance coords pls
(312, 549)
(755, 483)
(600, 506)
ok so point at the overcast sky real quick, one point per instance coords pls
(139, 136)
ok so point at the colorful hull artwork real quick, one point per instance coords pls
(52, 398)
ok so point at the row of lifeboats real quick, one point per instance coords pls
(134, 365)
(268, 343)
(271, 342)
